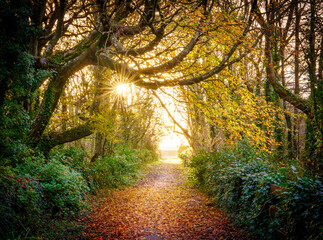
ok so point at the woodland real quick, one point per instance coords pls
(83, 85)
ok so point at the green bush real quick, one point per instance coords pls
(114, 170)
(302, 208)
(120, 168)
(72, 156)
(146, 156)
(239, 179)
(184, 152)
(63, 188)
(35, 190)
(75, 158)
(20, 203)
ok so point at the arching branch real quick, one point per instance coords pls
(51, 140)
(136, 52)
(283, 92)
(175, 61)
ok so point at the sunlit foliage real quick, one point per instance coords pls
(234, 111)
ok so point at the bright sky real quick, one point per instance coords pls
(172, 141)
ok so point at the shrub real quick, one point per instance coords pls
(72, 156)
(63, 188)
(20, 203)
(120, 168)
(185, 153)
(239, 179)
(114, 170)
(302, 208)
(146, 156)
(35, 190)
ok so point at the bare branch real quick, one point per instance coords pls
(283, 93)
(59, 29)
(185, 132)
(175, 61)
(135, 52)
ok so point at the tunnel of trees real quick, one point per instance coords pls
(83, 84)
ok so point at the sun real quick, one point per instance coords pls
(122, 89)
(117, 86)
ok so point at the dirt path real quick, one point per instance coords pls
(160, 206)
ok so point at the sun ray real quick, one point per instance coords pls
(117, 87)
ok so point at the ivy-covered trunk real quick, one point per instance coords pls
(54, 92)
(314, 133)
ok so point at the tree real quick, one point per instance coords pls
(156, 44)
(129, 36)
(308, 18)
(16, 73)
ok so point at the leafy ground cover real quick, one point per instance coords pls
(239, 179)
(159, 206)
(40, 195)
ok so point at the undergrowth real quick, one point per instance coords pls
(39, 196)
(239, 178)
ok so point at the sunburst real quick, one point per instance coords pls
(122, 89)
(116, 87)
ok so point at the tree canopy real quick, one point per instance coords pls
(155, 44)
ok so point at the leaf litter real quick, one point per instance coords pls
(159, 206)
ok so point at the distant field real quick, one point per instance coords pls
(168, 153)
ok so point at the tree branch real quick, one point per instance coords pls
(185, 132)
(175, 61)
(51, 140)
(106, 60)
(136, 52)
(59, 29)
(283, 93)
(54, 91)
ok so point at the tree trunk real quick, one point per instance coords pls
(283, 93)
(54, 91)
(99, 148)
(100, 140)
(64, 112)
(296, 146)
(314, 128)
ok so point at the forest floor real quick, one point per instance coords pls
(159, 206)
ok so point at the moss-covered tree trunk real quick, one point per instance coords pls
(309, 106)
(314, 133)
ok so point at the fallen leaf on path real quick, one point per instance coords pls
(160, 206)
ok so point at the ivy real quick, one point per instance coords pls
(239, 179)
